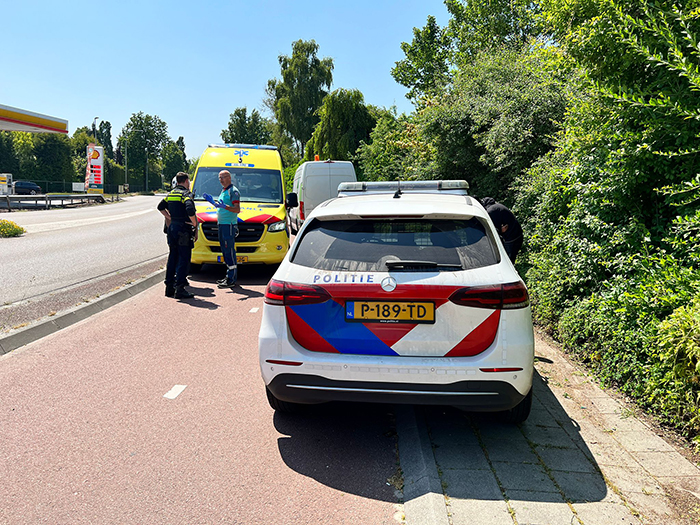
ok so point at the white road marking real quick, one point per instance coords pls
(175, 391)
(253, 310)
(51, 226)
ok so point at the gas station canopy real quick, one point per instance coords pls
(13, 119)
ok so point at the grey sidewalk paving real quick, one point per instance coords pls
(581, 458)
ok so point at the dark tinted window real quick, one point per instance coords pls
(255, 185)
(367, 245)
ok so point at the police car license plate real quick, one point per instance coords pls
(239, 259)
(390, 311)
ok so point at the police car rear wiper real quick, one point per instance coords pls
(413, 265)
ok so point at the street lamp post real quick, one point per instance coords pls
(146, 189)
(94, 128)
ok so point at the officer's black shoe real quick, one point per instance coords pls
(222, 281)
(182, 293)
(226, 284)
(169, 291)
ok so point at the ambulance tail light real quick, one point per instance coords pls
(495, 297)
(280, 293)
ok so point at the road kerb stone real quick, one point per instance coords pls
(53, 324)
(424, 501)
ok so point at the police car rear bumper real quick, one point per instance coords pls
(478, 396)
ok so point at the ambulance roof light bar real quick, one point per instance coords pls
(456, 187)
(243, 146)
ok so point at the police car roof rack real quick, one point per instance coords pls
(244, 146)
(398, 188)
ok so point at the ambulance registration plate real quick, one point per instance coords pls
(239, 259)
(390, 311)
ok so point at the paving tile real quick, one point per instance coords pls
(523, 476)
(471, 484)
(631, 479)
(478, 512)
(666, 464)
(605, 404)
(653, 508)
(511, 451)
(491, 431)
(540, 418)
(465, 457)
(605, 513)
(686, 484)
(643, 441)
(565, 459)
(540, 508)
(619, 423)
(548, 436)
(581, 486)
(452, 437)
(611, 454)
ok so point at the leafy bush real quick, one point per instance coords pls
(10, 229)
(641, 333)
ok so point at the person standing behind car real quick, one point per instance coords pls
(181, 218)
(229, 206)
(507, 225)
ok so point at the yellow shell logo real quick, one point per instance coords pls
(95, 154)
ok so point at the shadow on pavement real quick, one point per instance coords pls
(542, 460)
(248, 275)
(349, 447)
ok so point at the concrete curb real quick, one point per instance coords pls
(424, 501)
(78, 313)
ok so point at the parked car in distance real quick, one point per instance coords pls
(398, 292)
(316, 182)
(25, 187)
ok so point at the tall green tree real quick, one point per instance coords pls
(345, 121)
(142, 138)
(181, 144)
(9, 163)
(104, 137)
(53, 157)
(476, 25)
(244, 129)
(173, 161)
(23, 145)
(296, 97)
(425, 70)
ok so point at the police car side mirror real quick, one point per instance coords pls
(292, 200)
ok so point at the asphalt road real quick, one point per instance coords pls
(66, 247)
(87, 435)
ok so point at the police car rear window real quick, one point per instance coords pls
(368, 245)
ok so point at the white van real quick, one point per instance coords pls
(316, 182)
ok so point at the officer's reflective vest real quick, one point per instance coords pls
(176, 200)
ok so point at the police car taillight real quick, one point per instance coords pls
(280, 293)
(495, 297)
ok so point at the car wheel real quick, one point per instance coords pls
(285, 407)
(520, 412)
(33, 192)
(195, 268)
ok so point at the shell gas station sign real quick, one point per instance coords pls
(94, 173)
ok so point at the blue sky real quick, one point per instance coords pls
(192, 63)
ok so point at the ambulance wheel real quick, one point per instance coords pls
(284, 407)
(195, 268)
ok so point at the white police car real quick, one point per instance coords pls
(398, 292)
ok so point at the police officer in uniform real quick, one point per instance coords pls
(180, 216)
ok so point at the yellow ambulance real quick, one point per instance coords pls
(256, 171)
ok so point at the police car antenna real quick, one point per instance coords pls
(397, 195)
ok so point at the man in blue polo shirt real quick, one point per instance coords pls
(228, 208)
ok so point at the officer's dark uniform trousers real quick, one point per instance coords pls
(180, 236)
